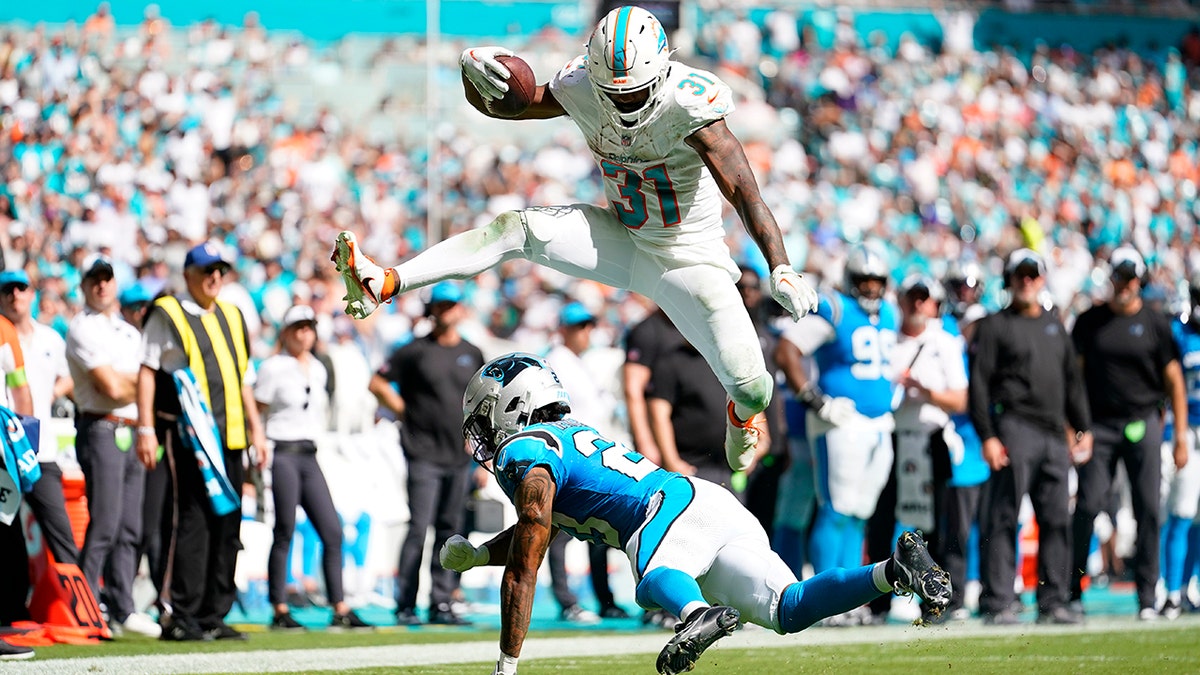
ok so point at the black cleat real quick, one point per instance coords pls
(692, 637)
(613, 612)
(348, 621)
(224, 631)
(287, 623)
(917, 574)
(443, 615)
(175, 630)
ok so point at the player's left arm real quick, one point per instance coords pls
(1176, 391)
(722, 152)
(534, 499)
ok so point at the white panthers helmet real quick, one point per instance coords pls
(628, 53)
(865, 262)
(506, 395)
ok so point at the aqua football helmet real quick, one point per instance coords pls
(628, 53)
(506, 395)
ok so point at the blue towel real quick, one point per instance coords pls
(199, 430)
(20, 461)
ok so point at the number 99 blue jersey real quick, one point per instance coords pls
(603, 489)
(857, 362)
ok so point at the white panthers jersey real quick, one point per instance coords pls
(656, 184)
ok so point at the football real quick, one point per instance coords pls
(521, 85)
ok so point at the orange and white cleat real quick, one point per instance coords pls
(368, 285)
(741, 438)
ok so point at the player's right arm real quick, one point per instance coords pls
(534, 499)
(480, 64)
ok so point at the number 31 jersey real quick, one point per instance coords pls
(656, 184)
(603, 489)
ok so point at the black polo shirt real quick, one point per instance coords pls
(431, 379)
(1123, 360)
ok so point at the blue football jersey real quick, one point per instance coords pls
(856, 363)
(1188, 338)
(950, 325)
(603, 488)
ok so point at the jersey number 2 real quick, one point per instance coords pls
(632, 211)
(613, 455)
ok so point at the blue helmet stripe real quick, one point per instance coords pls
(620, 59)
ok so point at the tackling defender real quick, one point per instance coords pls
(689, 541)
(657, 129)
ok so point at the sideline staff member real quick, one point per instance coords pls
(1024, 387)
(1130, 362)
(195, 330)
(102, 352)
(290, 391)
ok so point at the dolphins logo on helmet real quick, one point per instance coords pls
(628, 53)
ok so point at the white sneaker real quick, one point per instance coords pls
(1148, 614)
(368, 285)
(140, 624)
(1171, 610)
(741, 438)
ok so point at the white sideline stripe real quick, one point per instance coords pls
(345, 658)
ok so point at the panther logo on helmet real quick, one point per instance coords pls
(506, 395)
(505, 370)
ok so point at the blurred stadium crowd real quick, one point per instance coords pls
(950, 155)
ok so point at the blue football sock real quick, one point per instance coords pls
(827, 594)
(788, 542)
(853, 537)
(1191, 562)
(831, 533)
(1175, 549)
(668, 588)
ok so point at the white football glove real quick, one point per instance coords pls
(488, 75)
(791, 290)
(460, 555)
(839, 411)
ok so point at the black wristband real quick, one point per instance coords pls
(812, 396)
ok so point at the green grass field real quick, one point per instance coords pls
(1162, 651)
(1123, 646)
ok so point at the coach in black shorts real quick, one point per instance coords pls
(1130, 362)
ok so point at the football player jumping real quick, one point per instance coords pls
(657, 129)
(689, 542)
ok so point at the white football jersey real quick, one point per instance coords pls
(656, 184)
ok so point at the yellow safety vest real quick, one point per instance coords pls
(215, 343)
